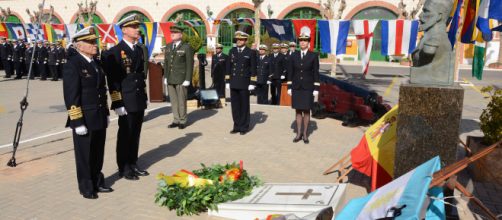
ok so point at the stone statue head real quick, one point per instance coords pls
(434, 12)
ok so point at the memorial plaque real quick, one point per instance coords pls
(283, 198)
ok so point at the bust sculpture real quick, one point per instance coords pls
(433, 59)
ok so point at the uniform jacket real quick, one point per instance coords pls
(178, 63)
(42, 55)
(5, 51)
(219, 66)
(54, 58)
(264, 68)
(126, 78)
(241, 68)
(18, 53)
(84, 88)
(278, 66)
(303, 73)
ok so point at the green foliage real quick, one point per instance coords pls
(194, 41)
(193, 200)
(491, 118)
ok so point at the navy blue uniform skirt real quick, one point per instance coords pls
(302, 99)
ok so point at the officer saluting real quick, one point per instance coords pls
(123, 65)
(241, 67)
(218, 70)
(84, 88)
(264, 67)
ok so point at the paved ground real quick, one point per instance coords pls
(43, 186)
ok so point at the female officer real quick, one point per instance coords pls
(303, 85)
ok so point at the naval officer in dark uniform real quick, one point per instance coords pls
(264, 68)
(303, 70)
(218, 70)
(278, 73)
(84, 87)
(241, 68)
(124, 68)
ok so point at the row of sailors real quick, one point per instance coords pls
(47, 61)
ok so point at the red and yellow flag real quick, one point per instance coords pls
(374, 155)
(3, 31)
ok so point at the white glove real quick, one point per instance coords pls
(227, 85)
(186, 83)
(81, 130)
(283, 77)
(45, 62)
(289, 92)
(251, 87)
(120, 111)
(165, 81)
(315, 93)
(57, 64)
(268, 82)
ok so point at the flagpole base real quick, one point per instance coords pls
(428, 125)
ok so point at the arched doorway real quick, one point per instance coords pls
(189, 15)
(142, 16)
(13, 19)
(226, 31)
(380, 13)
(53, 19)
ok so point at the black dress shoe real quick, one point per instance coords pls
(129, 176)
(182, 126)
(90, 195)
(306, 140)
(104, 189)
(139, 172)
(173, 125)
(297, 139)
(234, 131)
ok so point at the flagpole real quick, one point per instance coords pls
(458, 45)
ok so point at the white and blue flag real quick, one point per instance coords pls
(333, 34)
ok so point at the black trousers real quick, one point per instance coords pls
(275, 91)
(60, 70)
(262, 94)
(7, 67)
(42, 70)
(240, 109)
(18, 66)
(128, 140)
(219, 85)
(54, 71)
(89, 153)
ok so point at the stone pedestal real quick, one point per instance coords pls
(428, 125)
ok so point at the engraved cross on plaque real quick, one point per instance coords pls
(306, 195)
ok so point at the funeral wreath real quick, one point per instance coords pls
(192, 192)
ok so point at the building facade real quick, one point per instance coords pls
(111, 11)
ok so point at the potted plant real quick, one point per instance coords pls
(487, 168)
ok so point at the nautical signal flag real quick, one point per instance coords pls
(165, 27)
(3, 30)
(34, 31)
(279, 29)
(363, 29)
(150, 35)
(399, 37)
(333, 35)
(455, 20)
(16, 31)
(107, 33)
(374, 155)
(306, 26)
(489, 11)
(59, 30)
(469, 31)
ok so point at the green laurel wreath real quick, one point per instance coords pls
(194, 200)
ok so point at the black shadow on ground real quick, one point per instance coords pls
(199, 114)
(258, 117)
(155, 155)
(156, 113)
(312, 126)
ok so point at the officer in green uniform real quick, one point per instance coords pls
(178, 69)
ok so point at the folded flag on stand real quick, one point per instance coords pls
(407, 197)
(399, 37)
(374, 155)
(363, 29)
(333, 35)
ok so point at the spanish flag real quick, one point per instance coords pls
(374, 155)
